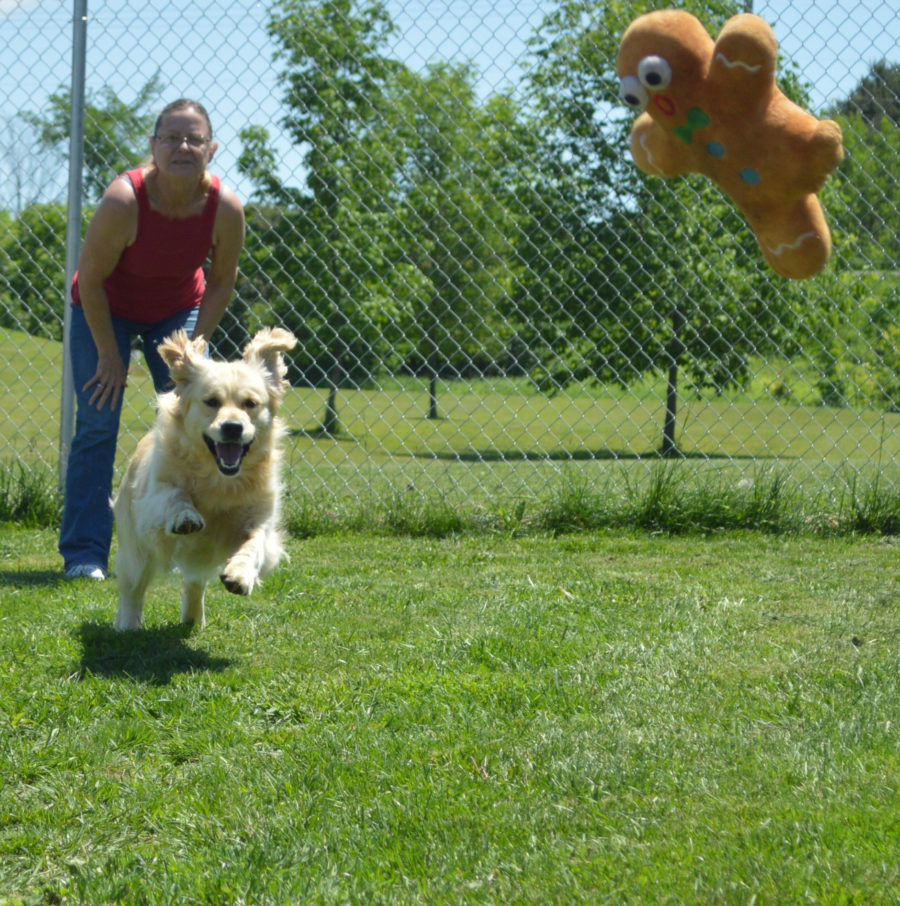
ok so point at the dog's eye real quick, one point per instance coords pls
(250, 405)
(212, 402)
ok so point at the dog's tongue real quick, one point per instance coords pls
(229, 454)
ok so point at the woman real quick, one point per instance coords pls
(140, 274)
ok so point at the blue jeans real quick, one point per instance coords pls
(86, 532)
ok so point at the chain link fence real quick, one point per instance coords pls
(441, 205)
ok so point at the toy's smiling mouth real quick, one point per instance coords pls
(228, 455)
(664, 104)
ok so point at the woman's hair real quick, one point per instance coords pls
(184, 104)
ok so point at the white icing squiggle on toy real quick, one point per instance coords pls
(736, 63)
(784, 247)
(649, 155)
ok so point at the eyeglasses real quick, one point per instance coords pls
(174, 140)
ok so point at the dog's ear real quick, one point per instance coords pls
(266, 348)
(182, 355)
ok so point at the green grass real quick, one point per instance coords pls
(502, 458)
(28, 497)
(496, 441)
(598, 717)
(668, 497)
(511, 459)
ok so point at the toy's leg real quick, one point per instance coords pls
(796, 245)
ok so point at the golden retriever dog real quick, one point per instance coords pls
(201, 493)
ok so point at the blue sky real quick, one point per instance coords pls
(219, 52)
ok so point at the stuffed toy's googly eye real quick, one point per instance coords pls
(655, 73)
(633, 93)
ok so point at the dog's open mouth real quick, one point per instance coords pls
(228, 455)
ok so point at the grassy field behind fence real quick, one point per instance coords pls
(498, 440)
(591, 718)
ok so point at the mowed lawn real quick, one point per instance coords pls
(494, 439)
(591, 718)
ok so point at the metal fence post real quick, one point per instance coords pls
(73, 226)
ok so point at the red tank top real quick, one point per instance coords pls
(161, 274)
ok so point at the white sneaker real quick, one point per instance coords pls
(86, 571)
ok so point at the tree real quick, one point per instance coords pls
(628, 274)
(335, 79)
(398, 237)
(876, 97)
(866, 209)
(115, 132)
(32, 279)
(857, 304)
(29, 175)
(451, 218)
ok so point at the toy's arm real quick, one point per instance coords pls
(825, 153)
(807, 150)
(656, 152)
(745, 54)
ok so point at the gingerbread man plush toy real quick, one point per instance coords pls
(714, 108)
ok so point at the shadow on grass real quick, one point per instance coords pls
(492, 454)
(16, 578)
(146, 655)
(496, 454)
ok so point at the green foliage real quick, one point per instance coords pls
(115, 132)
(877, 96)
(398, 256)
(864, 200)
(665, 498)
(451, 223)
(401, 189)
(852, 334)
(668, 499)
(867, 509)
(32, 278)
(33, 243)
(28, 497)
(853, 308)
(334, 80)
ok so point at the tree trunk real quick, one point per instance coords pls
(432, 398)
(432, 369)
(674, 350)
(330, 423)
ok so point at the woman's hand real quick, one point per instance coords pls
(108, 382)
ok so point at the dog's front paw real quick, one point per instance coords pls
(238, 581)
(186, 522)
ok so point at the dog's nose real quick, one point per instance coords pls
(231, 432)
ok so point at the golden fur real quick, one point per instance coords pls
(201, 493)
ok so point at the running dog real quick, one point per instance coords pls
(202, 491)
